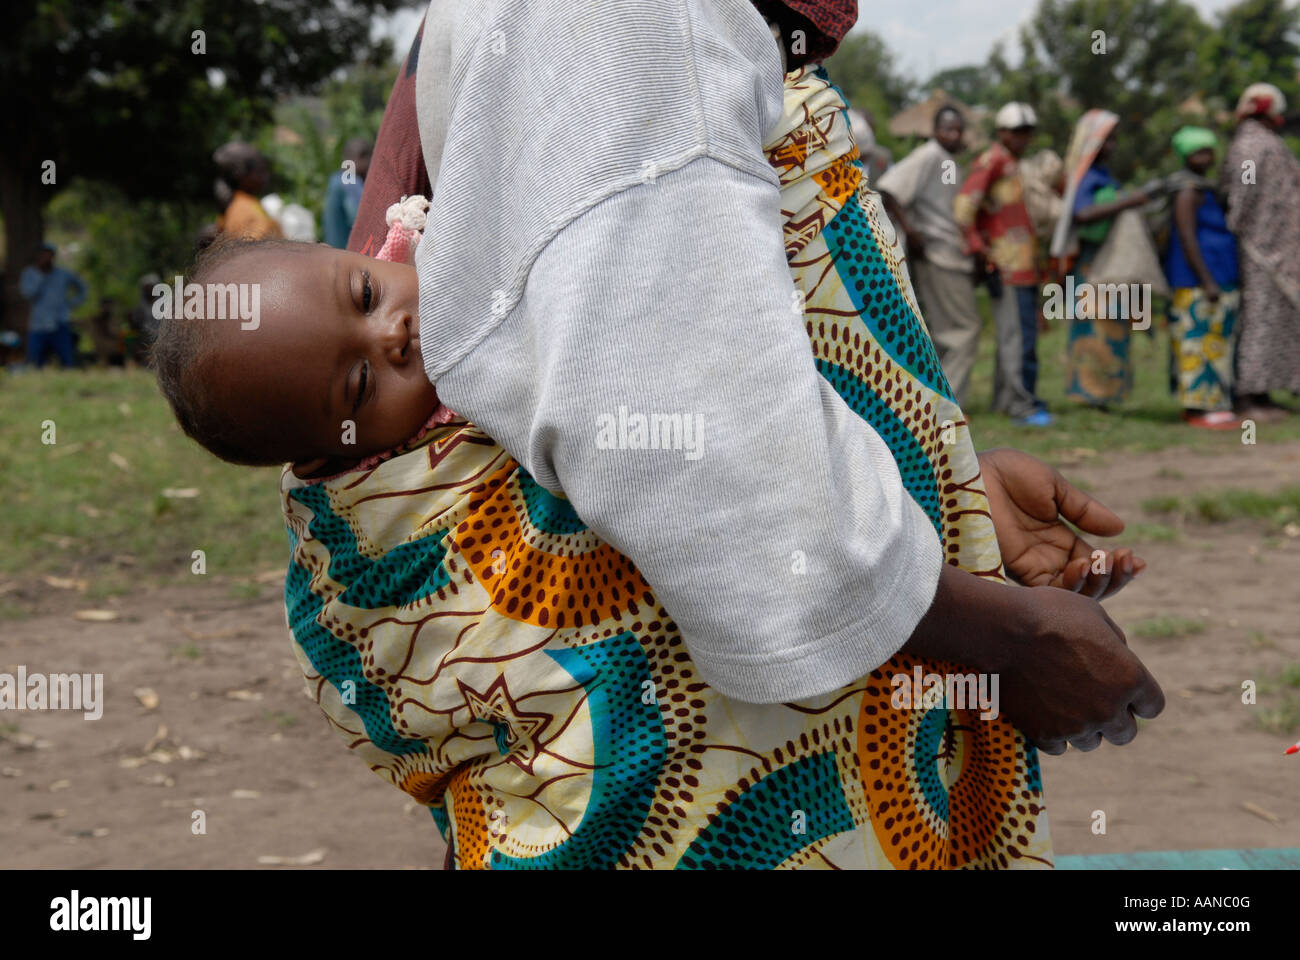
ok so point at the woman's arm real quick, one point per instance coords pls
(1185, 205)
(1104, 211)
(776, 530)
(569, 300)
(1066, 673)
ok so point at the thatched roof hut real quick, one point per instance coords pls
(918, 119)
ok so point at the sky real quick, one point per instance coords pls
(912, 28)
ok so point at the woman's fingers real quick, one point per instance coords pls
(1101, 577)
(1086, 742)
(1051, 747)
(1074, 576)
(1122, 730)
(1085, 512)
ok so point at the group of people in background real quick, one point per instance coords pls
(111, 338)
(1229, 259)
(248, 210)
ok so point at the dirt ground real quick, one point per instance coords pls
(205, 710)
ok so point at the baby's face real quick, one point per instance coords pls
(334, 363)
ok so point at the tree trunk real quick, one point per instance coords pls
(22, 203)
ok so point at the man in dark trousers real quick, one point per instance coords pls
(47, 287)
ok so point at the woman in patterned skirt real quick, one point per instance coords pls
(1202, 269)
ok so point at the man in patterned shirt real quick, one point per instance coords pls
(990, 209)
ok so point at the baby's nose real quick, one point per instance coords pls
(400, 338)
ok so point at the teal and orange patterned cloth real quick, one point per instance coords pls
(481, 649)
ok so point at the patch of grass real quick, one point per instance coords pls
(1153, 533)
(1275, 507)
(1165, 503)
(187, 651)
(280, 718)
(117, 449)
(1169, 473)
(244, 590)
(1283, 717)
(1261, 641)
(113, 585)
(13, 611)
(8, 728)
(1151, 419)
(1282, 713)
(1168, 627)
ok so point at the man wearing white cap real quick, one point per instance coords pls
(990, 209)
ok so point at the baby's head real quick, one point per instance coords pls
(322, 367)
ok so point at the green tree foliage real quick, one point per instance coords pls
(1255, 41)
(1137, 58)
(973, 85)
(117, 92)
(117, 239)
(866, 70)
(305, 144)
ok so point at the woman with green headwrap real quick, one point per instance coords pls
(1203, 275)
(1201, 265)
(1100, 372)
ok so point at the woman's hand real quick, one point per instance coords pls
(1067, 675)
(1075, 682)
(1030, 503)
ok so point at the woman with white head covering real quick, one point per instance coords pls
(1261, 180)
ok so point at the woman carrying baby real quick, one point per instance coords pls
(591, 657)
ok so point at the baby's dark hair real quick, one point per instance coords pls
(183, 350)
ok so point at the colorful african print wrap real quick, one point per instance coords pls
(484, 651)
(1203, 338)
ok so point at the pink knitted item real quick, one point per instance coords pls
(406, 220)
(399, 245)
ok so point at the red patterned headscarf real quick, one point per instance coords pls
(831, 20)
(1262, 100)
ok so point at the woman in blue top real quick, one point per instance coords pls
(1100, 372)
(1202, 270)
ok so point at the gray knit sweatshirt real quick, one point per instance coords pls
(603, 289)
